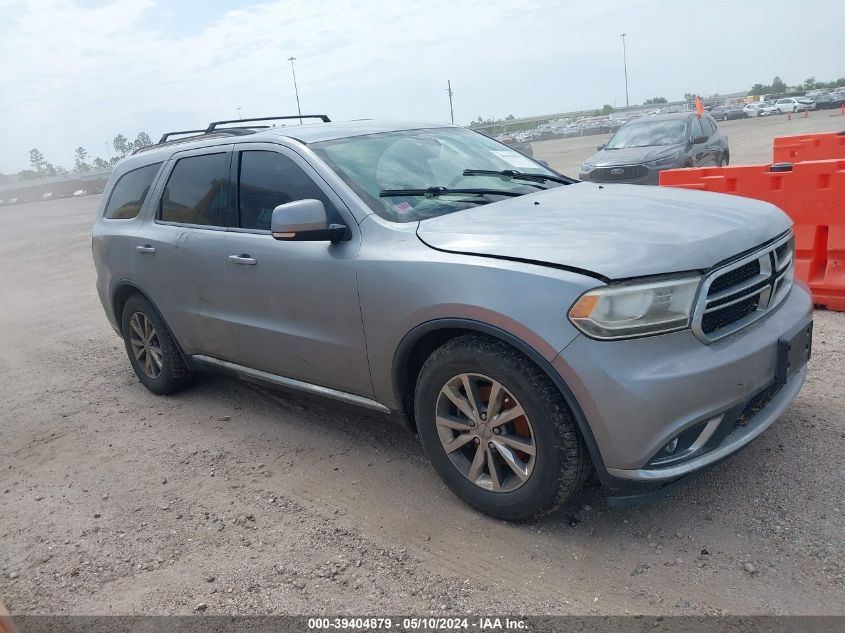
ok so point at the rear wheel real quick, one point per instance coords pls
(497, 430)
(152, 351)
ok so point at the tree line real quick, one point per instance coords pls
(40, 167)
(778, 86)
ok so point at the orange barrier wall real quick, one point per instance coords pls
(797, 149)
(812, 194)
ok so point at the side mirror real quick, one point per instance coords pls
(699, 139)
(305, 221)
(600, 147)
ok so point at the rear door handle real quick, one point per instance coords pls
(243, 260)
(146, 249)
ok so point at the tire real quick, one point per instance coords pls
(164, 372)
(560, 463)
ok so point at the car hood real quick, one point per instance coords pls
(631, 155)
(612, 231)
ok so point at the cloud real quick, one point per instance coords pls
(79, 72)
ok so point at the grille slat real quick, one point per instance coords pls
(628, 172)
(736, 294)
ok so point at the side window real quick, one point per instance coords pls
(129, 192)
(196, 190)
(708, 126)
(696, 128)
(268, 179)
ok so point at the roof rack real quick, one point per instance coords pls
(213, 125)
(167, 135)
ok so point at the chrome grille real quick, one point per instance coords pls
(739, 293)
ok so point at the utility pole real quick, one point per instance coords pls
(240, 118)
(625, 63)
(108, 149)
(295, 89)
(450, 93)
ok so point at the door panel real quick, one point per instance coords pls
(295, 310)
(180, 266)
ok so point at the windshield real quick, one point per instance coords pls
(425, 159)
(648, 133)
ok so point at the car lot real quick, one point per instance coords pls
(116, 501)
(750, 139)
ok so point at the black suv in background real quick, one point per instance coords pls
(642, 148)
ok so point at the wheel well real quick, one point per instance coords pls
(121, 296)
(727, 155)
(409, 368)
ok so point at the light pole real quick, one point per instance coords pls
(295, 89)
(449, 92)
(625, 63)
(240, 118)
(108, 150)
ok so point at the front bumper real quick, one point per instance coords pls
(639, 394)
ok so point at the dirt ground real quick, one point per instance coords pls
(113, 500)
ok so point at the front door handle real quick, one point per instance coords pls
(146, 249)
(243, 260)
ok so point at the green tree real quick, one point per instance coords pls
(121, 145)
(759, 89)
(142, 140)
(655, 101)
(778, 85)
(607, 109)
(81, 165)
(36, 160)
(100, 164)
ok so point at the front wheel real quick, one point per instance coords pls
(497, 430)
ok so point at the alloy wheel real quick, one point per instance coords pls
(485, 432)
(145, 344)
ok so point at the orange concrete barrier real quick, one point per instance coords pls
(811, 193)
(797, 149)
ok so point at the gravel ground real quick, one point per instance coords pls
(231, 499)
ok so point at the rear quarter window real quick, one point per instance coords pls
(129, 192)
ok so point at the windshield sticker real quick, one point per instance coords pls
(515, 159)
(402, 207)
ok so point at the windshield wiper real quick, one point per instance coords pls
(512, 174)
(433, 192)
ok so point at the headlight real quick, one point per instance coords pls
(635, 309)
(666, 160)
(587, 167)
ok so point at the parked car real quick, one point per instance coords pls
(13, 200)
(79, 193)
(641, 149)
(794, 104)
(530, 328)
(761, 108)
(47, 195)
(726, 113)
(829, 100)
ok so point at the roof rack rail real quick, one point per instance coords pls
(167, 135)
(213, 125)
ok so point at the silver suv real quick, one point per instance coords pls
(530, 328)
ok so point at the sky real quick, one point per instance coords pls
(79, 72)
